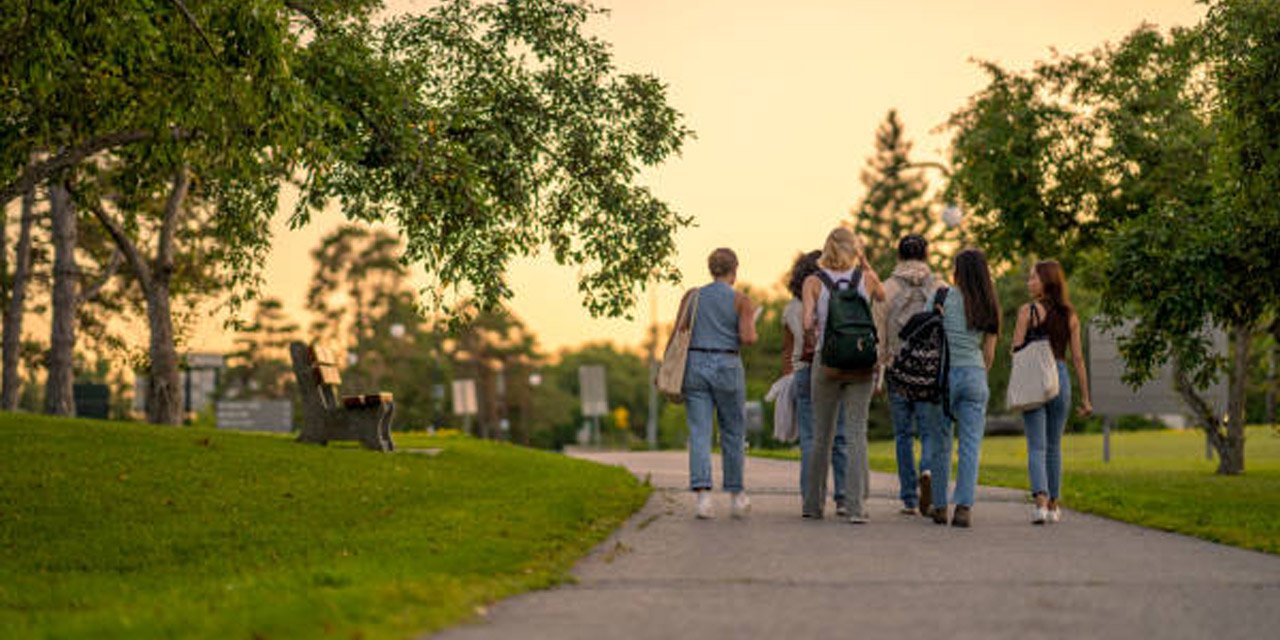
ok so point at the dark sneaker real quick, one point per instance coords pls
(939, 514)
(926, 493)
(961, 517)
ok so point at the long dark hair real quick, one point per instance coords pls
(1057, 302)
(806, 265)
(981, 307)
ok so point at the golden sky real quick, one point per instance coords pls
(785, 98)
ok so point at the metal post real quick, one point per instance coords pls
(651, 424)
(1106, 439)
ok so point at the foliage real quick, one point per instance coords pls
(260, 366)
(487, 131)
(1146, 165)
(240, 535)
(896, 202)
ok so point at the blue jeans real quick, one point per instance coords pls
(969, 395)
(714, 382)
(803, 398)
(1044, 427)
(911, 418)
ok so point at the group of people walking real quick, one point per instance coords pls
(924, 340)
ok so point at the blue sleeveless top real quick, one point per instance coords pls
(716, 326)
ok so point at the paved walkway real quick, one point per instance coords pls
(665, 575)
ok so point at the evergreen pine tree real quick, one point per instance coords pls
(895, 202)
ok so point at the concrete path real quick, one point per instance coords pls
(665, 575)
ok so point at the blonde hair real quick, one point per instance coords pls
(841, 251)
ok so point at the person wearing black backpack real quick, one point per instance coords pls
(907, 293)
(971, 319)
(840, 329)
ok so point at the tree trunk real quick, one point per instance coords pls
(1231, 454)
(164, 392)
(13, 311)
(58, 398)
(164, 401)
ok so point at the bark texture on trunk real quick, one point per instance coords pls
(164, 391)
(16, 305)
(1231, 457)
(1225, 433)
(58, 398)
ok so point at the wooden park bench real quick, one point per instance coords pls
(326, 414)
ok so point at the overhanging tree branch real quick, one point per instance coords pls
(121, 238)
(37, 173)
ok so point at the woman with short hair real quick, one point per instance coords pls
(842, 261)
(714, 381)
(1050, 315)
(971, 320)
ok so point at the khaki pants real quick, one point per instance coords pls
(827, 396)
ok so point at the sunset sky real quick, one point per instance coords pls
(785, 98)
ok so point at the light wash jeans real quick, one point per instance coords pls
(803, 399)
(714, 382)
(909, 419)
(1044, 427)
(829, 399)
(969, 395)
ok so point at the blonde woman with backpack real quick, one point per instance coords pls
(839, 328)
(907, 292)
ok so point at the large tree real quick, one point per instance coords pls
(483, 131)
(896, 203)
(1151, 165)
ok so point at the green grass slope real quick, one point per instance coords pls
(119, 530)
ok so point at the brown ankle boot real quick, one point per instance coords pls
(939, 514)
(961, 517)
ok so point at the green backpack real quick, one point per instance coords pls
(849, 334)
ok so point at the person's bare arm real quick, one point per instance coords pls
(989, 349)
(1020, 328)
(746, 310)
(809, 302)
(875, 288)
(1082, 375)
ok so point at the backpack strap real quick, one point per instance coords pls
(940, 298)
(834, 285)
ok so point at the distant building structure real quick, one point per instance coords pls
(198, 382)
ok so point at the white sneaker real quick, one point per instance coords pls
(1054, 515)
(740, 505)
(705, 510)
(842, 511)
(1039, 515)
(860, 518)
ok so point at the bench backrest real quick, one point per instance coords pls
(316, 369)
(324, 366)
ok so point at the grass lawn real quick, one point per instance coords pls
(1157, 479)
(123, 530)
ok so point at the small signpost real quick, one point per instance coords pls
(255, 415)
(594, 394)
(1113, 398)
(464, 400)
